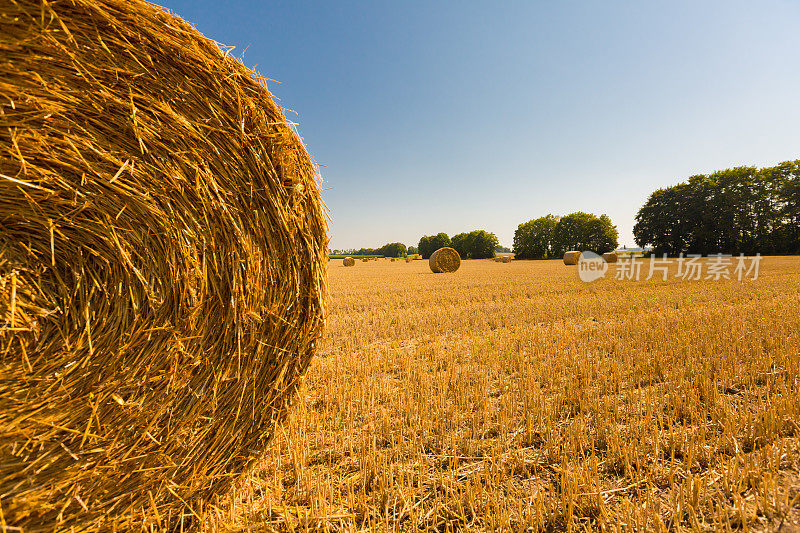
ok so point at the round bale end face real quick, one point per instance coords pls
(444, 260)
(349, 261)
(572, 257)
(163, 259)
(610, 257)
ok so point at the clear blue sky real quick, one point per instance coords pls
(434, 116)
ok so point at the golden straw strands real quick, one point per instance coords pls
(162, 267)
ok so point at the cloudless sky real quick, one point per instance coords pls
(454, 116)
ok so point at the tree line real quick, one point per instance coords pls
(392, 249)
(739, 210)
(477, 244)
(550, 236)
(544, 237)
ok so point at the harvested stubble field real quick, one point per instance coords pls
(517, 397)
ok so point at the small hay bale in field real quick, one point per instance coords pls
(408, 259)
(162, 267)
(498, 259)
(444, 260)
(610, 257)
(506, 259)
(364, 259)
(392, 260)
(572, 257)
(349, 261)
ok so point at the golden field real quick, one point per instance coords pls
(517, 397)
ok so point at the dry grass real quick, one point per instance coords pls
(531, 400)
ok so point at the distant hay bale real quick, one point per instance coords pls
(364, 259)
(408, 259)
(444, 260)
(392, 259)
(572, 257)
(349, 261)
(498, 259)
(610, 257)
(506, 259)
(162, 267)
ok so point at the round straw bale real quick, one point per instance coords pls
(349, 261)
(507, 259)
(610, 257)
(162, 267)
(572, 257)
(444, 260)
(498, 259)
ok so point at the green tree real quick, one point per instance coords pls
(393, 249)
(484, 244)
(534, 238)
(477, 244)
(739, 210)
(430, 243)
(584, 231)
(460, 243)
(790, 195)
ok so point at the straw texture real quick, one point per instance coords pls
(162, 266)
(444, 260)
(572, 257)
(348, 261)
(610, 257)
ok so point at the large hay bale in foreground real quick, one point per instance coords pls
(444, 260)
(162, 267)
(610, 257)
(349, 261)
(572, 257)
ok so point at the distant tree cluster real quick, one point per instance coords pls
(740, 210)
(550, 236)
(477, 244)
(392, 249)
(430, 243)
